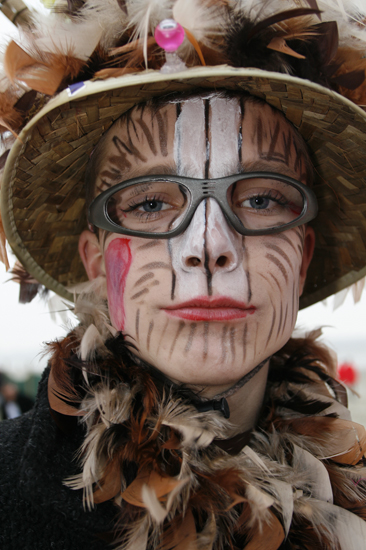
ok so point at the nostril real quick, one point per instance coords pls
(193, 262)
(221, 261)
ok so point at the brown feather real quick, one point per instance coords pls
(269, 537)
(28, 285)
(351, 60)
(61, 370)
(110, 484)
(180, 535)
(347, 493)
(196, 45)
(10, 117)
(113, 73)
(44, 74)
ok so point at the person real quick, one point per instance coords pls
(13, 403)
(179, 412)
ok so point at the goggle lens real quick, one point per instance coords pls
(160, 206)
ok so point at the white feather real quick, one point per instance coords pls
(144, 16)
(285, 496)
(260, 502)
(357, 289)
(137, 535)
(201, 17)
(321, 487)
(254, 457)
(91, 340)
(149, 498)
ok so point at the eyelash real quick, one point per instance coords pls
(134, 205)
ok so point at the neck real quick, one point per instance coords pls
(245, 398)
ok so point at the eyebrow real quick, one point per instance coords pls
(138, 171)
(261, 165)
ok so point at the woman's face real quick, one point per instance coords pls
(209, 305)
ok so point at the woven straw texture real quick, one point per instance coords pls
(43, 203)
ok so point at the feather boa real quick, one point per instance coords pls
(299, 482)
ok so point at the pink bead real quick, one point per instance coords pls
(169, 35)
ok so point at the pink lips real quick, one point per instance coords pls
(210, 309)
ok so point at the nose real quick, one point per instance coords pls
(209, 243)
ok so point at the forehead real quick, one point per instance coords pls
(200, 137)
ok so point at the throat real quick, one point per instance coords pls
(242, 402)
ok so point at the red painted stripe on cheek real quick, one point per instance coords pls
(118, 260)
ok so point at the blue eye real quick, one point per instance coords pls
(152, 206)
(259, 203)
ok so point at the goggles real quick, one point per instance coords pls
(161, 207)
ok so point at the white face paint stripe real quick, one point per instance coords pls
(190, 144)
(224, 158)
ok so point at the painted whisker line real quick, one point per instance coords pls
(148, 135)
(151, 326)
(179, 330)
(293, 305)
(137, 324)
(240, 131)
(232, 341)
(174, 277)
(276, 281)
(163, 134)
(156, 265)
(245, 335)
(150, 244)
(285, 319)
(162, 335)
(192, 331)
(256, 338)
(280, 320)
(207, 256)
(144, 278)
(131, 149)
(279, 264)
(206, 328)
(223, 343)
(281, 253)
(272, 325)
(141, 293)
(174, 280)
(284, 238)
(272, 147)
(247, 271)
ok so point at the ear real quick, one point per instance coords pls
(309, 245)
(91, 255)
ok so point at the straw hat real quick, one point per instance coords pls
(42, 196)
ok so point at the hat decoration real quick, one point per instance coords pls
(322, 41)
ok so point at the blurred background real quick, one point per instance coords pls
(25, 329)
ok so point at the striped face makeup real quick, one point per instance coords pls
(208, 306)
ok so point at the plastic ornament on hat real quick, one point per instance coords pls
(169, 35)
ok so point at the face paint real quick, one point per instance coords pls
(208, 306)
(118, 261)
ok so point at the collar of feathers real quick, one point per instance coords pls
(297, 481)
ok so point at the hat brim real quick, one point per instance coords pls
(42, 195)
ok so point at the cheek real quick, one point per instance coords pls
(118, 260)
